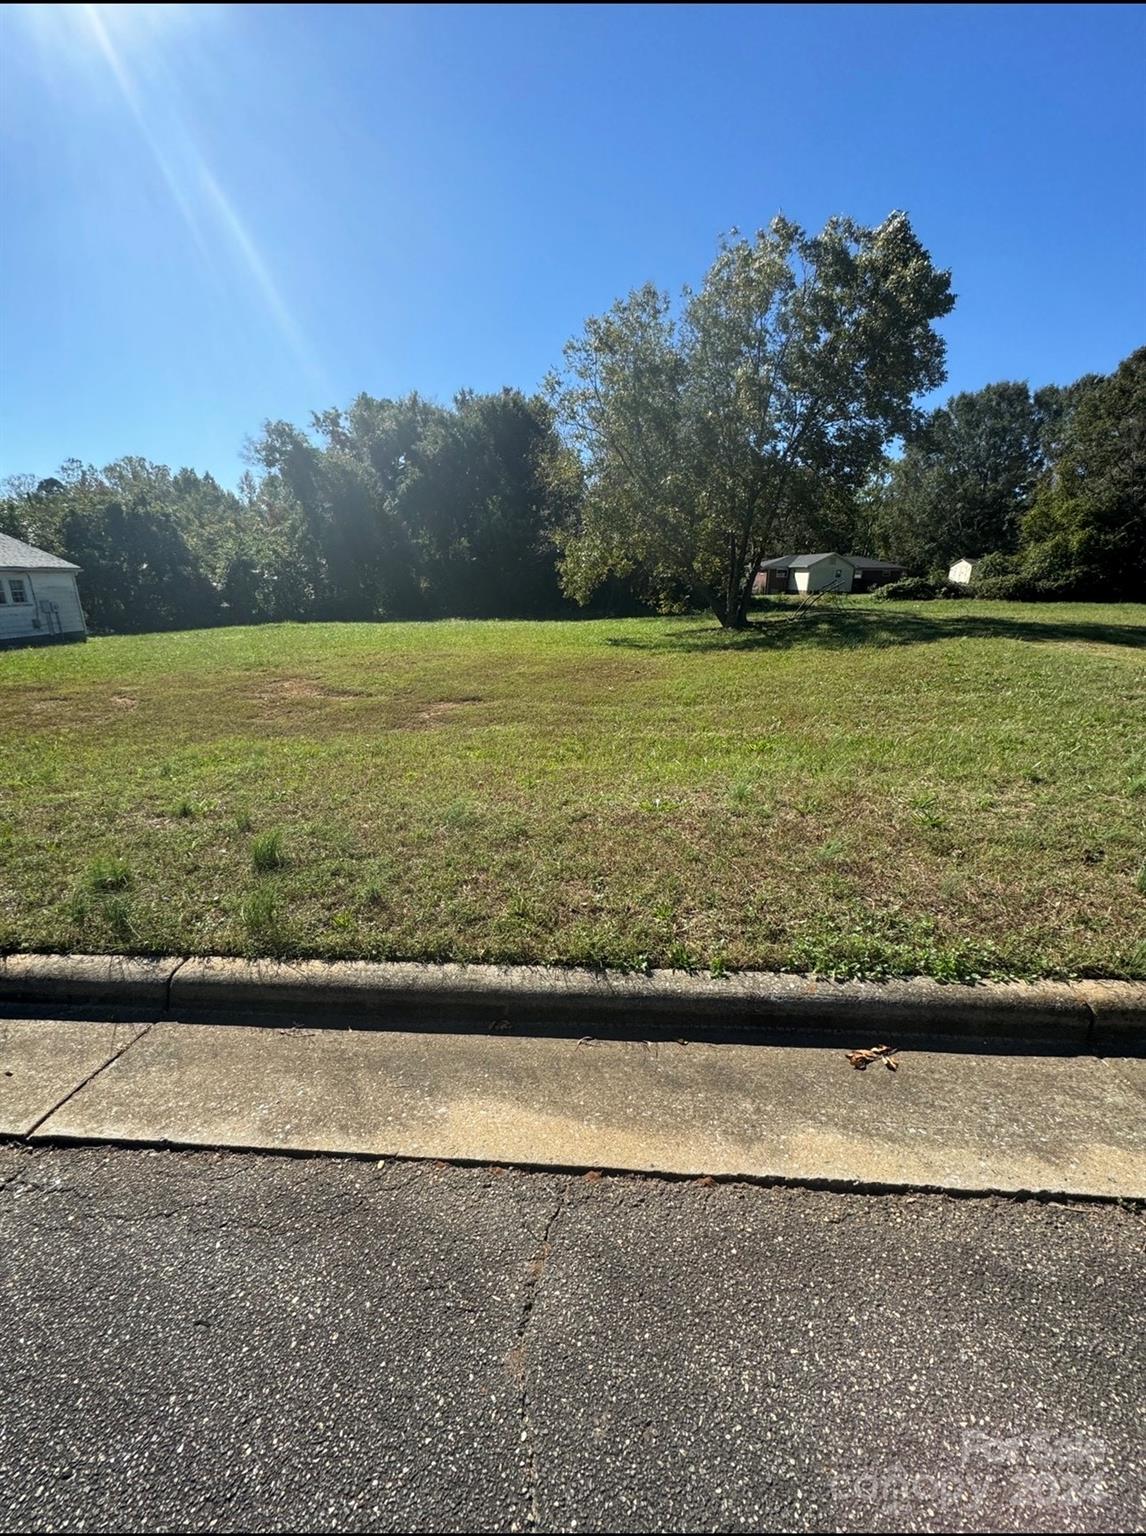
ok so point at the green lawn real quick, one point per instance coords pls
(953, 789)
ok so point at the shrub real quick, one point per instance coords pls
(1024, 588)
(992, 566)
(1007, 589)
(908, 587)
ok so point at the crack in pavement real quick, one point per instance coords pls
(517, 1360)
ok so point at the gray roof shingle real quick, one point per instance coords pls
(801, 562)
(16, 555)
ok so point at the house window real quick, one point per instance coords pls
(16, 586)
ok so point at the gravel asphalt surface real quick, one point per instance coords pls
(213, 1341)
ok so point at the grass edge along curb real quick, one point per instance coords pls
(523, 998)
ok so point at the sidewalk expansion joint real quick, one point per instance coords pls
(91, 1077)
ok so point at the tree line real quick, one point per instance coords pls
(1045, 490)
(678, 444)
(391, 509)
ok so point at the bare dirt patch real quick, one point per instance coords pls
(286, 688)
(438, 713)
(45, 703)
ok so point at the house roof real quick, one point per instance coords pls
(16, 555)
(862, 563)
(802, 562)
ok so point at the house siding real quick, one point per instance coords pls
(59, 587)
(836, 573)
(18, 620)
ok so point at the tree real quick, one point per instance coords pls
(1055, 406)
(705, 437)
(1087, 528)
(131, 528)
(404, 508)
(966, 477)
(479, 508)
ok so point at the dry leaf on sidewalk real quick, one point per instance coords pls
(861, 1060)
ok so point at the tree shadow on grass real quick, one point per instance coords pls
(838, 629)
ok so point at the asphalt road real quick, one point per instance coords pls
(224, 1342)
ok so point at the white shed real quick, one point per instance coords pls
(961, 571)
(39, 599)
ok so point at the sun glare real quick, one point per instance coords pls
(70, 31)
(143, 50)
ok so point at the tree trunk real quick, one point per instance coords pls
(731, 606)
(734, 617)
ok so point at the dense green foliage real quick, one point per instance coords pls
(1088, 522)
(965, 478)
(392, 509)
(1044, 490)
(404, 509)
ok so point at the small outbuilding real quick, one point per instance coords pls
(39, 598)
(961, 571)
(824, 573)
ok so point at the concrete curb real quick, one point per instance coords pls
(123, 981)
(1070, 1015)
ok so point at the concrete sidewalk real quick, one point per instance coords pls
(1063, 1125)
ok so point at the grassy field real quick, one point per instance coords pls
(951, 789)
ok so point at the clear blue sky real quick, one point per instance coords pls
(217, 215)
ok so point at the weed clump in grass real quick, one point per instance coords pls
(267, 852)
(184, 810)
(243, 823)
(461, 816)
(107, 874)
(118, 917)
(262, 921)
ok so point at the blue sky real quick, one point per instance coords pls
(217, 215)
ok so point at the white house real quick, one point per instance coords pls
(825, 573)
(39, 599)
(961, 571)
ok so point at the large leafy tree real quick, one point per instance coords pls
(1088, 523)
(705, 434)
